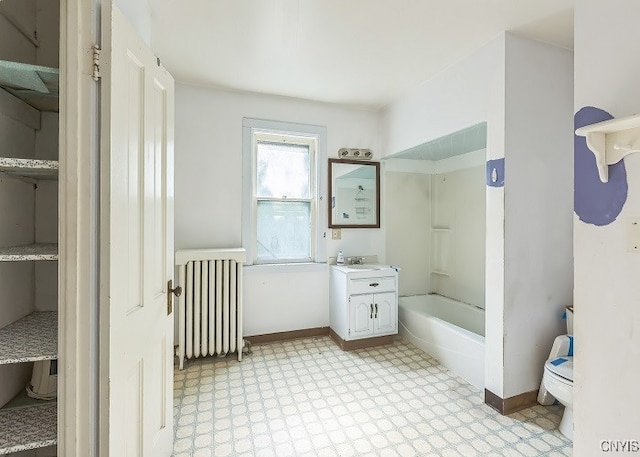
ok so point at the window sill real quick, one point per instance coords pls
(286, 267)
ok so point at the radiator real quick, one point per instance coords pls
(210, 306)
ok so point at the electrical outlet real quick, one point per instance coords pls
(336, 234)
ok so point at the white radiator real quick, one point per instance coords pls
(210, 306)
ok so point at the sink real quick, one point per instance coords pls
(364, 267)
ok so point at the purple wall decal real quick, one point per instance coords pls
(595, 202)
(495, 172)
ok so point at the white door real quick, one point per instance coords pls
(136, 342)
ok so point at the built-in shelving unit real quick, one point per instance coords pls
(612, 140)
(440, 238)
(29, 101)
(29, 424)
(32, 338)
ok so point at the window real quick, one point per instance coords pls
(281, 197)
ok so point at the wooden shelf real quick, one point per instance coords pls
(29, 427)
(32, 338)
(38, 251)
(29, 168)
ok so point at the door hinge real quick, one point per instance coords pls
(95, 74)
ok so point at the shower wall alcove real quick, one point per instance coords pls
(435, 216)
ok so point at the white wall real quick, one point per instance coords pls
(406, 212)
(13, 45)
(46, 147)
(48, 23)
(456, 98)
(209, 196)
(138, 13)
(458, 207)
(607, 290)
(46, 215)
(538, 206)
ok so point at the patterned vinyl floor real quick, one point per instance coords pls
(309, 398)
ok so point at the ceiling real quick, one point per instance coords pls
(356, 52)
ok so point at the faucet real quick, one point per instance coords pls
(357, 261)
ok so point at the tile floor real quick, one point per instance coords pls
(308, 398)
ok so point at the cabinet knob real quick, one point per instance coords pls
(376, 314)
(371, 307)
(374, 284)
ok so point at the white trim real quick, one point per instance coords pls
(285, 268)
(77, 295)
(251, 126)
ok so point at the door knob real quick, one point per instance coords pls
(177, 291)
(171, 291)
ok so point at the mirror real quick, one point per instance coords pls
(354, 194)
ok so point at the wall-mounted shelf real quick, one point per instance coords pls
(27, 428)
(32, 338)
(29, 168)
(612, 140)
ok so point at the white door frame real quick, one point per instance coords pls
(78, 232)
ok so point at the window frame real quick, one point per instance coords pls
(255, 130)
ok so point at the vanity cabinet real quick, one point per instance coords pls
(363, 305)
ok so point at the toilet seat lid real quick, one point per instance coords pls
(562, 366)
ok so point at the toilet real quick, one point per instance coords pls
(557, 380)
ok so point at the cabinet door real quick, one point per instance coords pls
(360, 316)
(385, 313)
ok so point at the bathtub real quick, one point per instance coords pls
(450, 331)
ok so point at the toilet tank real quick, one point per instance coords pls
(569, 314)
